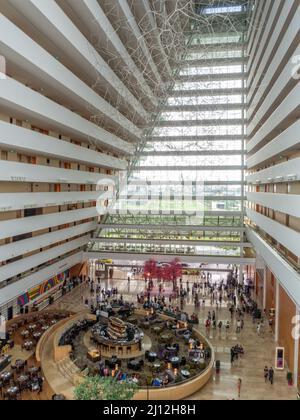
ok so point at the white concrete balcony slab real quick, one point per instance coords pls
(91, 11)
(285, 273)
(138, 39)
(16, 227)
(287, 141)
(27, 246)
(283, 172)
(22, 266)
(259, 111)
(50, 19)
(16, 289)
(258, 10)
(52, 116)
(21, 201)
(284, 203)
(30, 61)
(264, 50)
(286, 236)
(25, 172)
(289, 109)
(258, 80)
(13, 137)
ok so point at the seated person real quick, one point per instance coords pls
(135, 379)
(156, 382)
(166, 380)
(106, 372)
(192, 342)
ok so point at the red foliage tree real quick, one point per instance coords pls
(168, 272)
(150, 269)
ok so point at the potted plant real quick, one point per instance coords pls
(290, 379)
(218, 367)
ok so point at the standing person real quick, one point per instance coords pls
(266, 374)
(208, 326)
(227, 328)
(232, 355)
(271, 376)
(242, 324)
(40, 382)
(240, 382)
(259, 328)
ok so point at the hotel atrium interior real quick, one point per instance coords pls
(149, 200)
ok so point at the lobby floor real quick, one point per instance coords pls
(259, 350)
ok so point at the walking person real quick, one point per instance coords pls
(266, 374)
(220, 328)
(271, 376)
(259, 329)
(240, 382)
(232, 355)
(227, 328)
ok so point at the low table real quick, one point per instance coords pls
(166, 338)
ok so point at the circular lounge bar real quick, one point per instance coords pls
(170, 354)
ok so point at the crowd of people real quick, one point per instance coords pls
(205, 294)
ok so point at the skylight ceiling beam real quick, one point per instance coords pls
(168, 257)
(234, 46)
(191, 168)
(209, 78)
(157, 197)
(175, 228)
(200, 122)
(172, 242)
(195, 153)
(174, 183)
(207, 62)
(195, 138)
(205, 92)
(231, 214)
(197, 108)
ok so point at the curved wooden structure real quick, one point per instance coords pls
(51, 354)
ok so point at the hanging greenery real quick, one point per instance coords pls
(97, 388)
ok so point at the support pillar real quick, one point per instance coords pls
(265, 289)
(241, 275)
(277, 311)
(296, 354)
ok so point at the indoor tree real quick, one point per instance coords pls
(97, 388)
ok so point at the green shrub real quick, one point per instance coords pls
(97, 388)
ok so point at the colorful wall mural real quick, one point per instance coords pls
(42, 288)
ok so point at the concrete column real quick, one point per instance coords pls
(296, 356)
(265, 289)
(277, 312)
